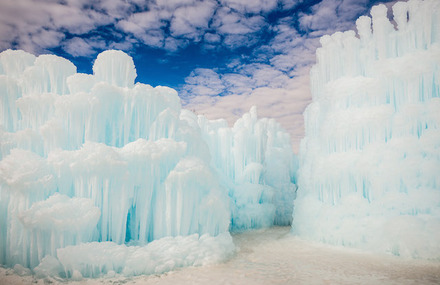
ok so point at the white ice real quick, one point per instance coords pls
(101, 163)
(370, 159)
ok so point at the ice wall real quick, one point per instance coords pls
(99, 162)
(370, 161)
(257, 167)
(94, 158)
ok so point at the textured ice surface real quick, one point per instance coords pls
(257, 167)
(370, 160)
(97, 259)
(99, 163)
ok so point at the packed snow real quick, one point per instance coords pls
(370, 159)
(273, 256)
(100, 164)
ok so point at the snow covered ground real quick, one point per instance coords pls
(273, 256)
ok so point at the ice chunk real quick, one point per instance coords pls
(63, 214)
(25, 178)
(57, 222)
(49, 267)
(98, 259)
(22, 271)
(25, 173)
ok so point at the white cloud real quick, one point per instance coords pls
(212, 38)
(286, 105)
(204, 82)
(18, 19)
(126, 44)
(78, 47)
(154, 38)
(75, 19)
(251, 6)
(229, 95)
(323, 15)
(141, 22)
(173, 4)
(286, 37)
(47, 38)
(329, 16)
(288, 4)
(38, 25)
(227, 21)
(237, 83)
(192, 21)
(147, 27)
(172, 44)
(296, 56)
(116, 9)
(267, 76)
(236, 41)
(231, 23)
(6, 36)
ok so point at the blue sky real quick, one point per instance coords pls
(222, 56)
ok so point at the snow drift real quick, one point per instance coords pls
(370, 159)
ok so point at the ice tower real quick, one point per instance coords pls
(99, 174)
(370, 161)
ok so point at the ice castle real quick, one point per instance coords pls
(97, 163)
(100, 175)
(370, 161)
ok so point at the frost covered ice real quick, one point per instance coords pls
(99, 163)
(256, 166)
(370, 159)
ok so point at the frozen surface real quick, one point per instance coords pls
(370, 160)
(274, 257)
(99, 163)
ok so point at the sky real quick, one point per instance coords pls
(222, 56)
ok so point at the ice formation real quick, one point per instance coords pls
(370, 161)
(257, 167)
(99, 163)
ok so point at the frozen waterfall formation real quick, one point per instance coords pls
(99, 175)
(370, 161)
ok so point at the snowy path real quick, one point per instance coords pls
(273, 257)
